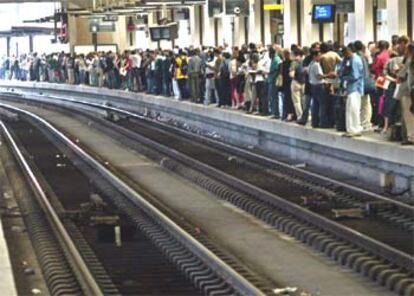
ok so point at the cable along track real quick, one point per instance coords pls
(206, 271)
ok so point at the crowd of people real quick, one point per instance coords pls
(355, 88)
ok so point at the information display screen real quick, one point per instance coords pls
(323, 13)
(167, 32)
(155, 34)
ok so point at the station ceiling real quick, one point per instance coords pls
(88, 7)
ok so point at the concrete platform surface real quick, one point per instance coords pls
(370, 144)
(7, 284)
(277, 256)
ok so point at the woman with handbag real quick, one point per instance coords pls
(378, 68)
(406, 78)
(288, 109)
(390, 102)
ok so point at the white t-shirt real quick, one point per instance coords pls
(315, 70)
(136, 61)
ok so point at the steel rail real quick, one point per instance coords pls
(393, 255)
(83, 274)
(362, 193)
(372, 245)
(242, 285)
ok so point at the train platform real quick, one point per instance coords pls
(370, 158)
(281, 258)
(7, 284)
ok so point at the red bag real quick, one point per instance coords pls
(381, 101)
(382, 82)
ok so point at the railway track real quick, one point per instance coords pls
(152, 254)
(332, 217)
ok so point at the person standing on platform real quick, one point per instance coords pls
(405, 94)
(263, 68)
(210, 79)
(353, 79)
(136, 62)
(36, 67)
(194, 73)
(224, 81)
(166, 74)
(317, 82)
(329, 60)
(110, 70)
(288, 109)
(94, 70)
(235, 103)
(181, 73)
(149, 71)
(69, 64)
(369, 87)
(308, 89)
(158, 72)
(272, 92)
(217, 62)
(378, 68)
(297, 73)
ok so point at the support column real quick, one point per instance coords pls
(339, 28)
(239, 30)
(254, 22)
(220, 36)
(72, 31)
(397, 17)
(361, 23)
(267, 31)
(309, 30)
(208, 29)
(227, 30)
(8, 46)
(328, 32)
(195, 24)
(95, 41)
(30, 43)
(121, 34)
(290, 23)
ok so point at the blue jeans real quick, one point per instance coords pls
(319, 106)
(306, 109)
(111, 79)
(273, 98)
(166, 86)
(82, 76)
(128, 80)
(150, 85)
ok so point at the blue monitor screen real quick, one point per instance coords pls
(323, 13)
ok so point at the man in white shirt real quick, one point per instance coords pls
(318, 92)
(136, 60)
(263, 68)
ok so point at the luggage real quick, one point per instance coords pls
(340, 113)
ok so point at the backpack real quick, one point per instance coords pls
(184, 66)
(224, 69)
(300, 74)
(102, 63)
